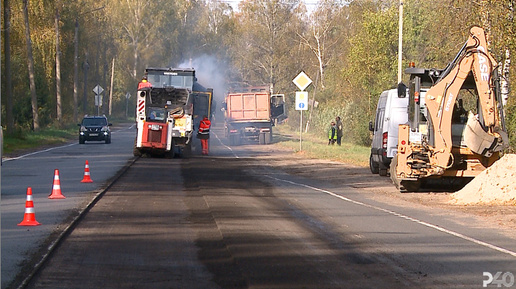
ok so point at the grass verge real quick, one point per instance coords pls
(30, 140)
(316, 146)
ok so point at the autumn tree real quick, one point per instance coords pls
(323, 34)
(262, 43)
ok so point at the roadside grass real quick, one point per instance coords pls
(29, 140)
(316, 146)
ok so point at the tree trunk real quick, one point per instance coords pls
(135, 58)
(111, 87)
(76, 72)
(7, 60)
(30, 64)
(58, 72)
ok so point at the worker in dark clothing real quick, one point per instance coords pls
(339, 125)
(204, 134)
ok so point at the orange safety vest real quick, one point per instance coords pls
(143, 84)
(204, 126)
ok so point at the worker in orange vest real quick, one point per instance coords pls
(144, 83)
(204, 134)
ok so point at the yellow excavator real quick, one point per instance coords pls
(456, 123)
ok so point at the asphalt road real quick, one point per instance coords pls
(21, 245)
(240, 218)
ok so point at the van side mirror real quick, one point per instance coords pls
(402, 90)
(371, 126)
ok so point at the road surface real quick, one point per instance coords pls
(20, 245)
(243, 218)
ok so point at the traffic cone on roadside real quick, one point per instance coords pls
(29, 219)
(87, 178)
(56, 187)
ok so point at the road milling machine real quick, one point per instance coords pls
(170, 103)
(456, 125)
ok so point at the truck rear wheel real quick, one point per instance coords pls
(268, 137)
(261, 138)
(234, 139)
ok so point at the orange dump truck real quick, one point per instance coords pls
(250, 114)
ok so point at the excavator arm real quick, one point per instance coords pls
(483, 134)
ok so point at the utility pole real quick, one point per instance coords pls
(400, 42)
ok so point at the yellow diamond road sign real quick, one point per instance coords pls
(302, 80)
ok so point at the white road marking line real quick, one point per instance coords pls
(54, 148)
(34, 153)
(226, 146)
(459, 235)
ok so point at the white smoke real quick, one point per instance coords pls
(210, 73)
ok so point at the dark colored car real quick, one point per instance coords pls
(94, 128)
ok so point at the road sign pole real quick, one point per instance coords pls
(302, 81)
(300, 131)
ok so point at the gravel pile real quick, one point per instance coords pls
(496, 185)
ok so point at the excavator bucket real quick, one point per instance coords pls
(481, 142)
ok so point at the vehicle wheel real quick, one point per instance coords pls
(108, 140)
(268, 137)
(372, 165)
(232, 140)
(170, 154)
(81, 140)
(261, 138)
(187, 151)
(382, 170)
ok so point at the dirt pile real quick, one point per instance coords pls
(496, 185)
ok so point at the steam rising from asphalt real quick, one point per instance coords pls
(210, 73)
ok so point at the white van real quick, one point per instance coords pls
(392, 110)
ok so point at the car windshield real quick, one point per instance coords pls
(94, 122)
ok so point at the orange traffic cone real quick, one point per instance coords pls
(87, 178)
(29, 219)
(56, 187)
